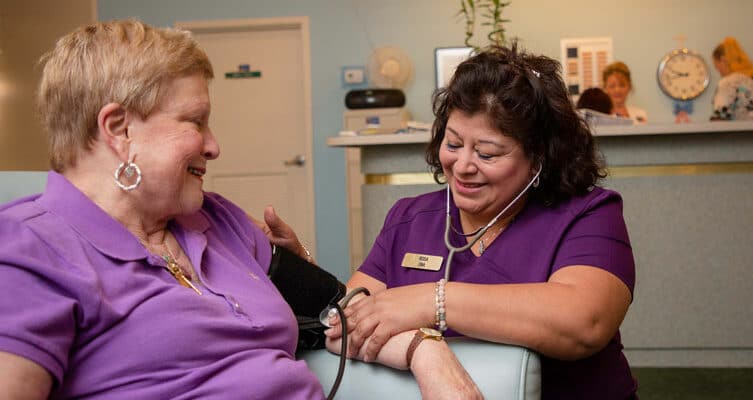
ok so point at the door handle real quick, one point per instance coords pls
(298, 160)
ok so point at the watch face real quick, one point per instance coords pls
(683, 74)
(431, 333)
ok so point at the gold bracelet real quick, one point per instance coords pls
(418, 337)
(309, 258)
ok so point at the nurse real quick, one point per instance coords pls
(549, 264)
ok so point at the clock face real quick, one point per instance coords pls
(683, 74)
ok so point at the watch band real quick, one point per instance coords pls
(421, 334)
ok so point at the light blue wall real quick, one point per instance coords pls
(342, 32)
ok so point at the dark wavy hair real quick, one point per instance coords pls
(595, 99)
(525, 99)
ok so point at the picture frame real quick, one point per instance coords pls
(446, 60)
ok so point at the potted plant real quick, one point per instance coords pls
(491, 14)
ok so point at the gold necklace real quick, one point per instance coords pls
(482, 245)
(173, 267)
(177, 272)
(505, 223)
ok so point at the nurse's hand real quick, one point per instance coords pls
(374, 319)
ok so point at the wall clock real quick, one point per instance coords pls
(683, 74)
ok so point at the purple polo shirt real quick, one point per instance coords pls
(80, 296)
(585, 230)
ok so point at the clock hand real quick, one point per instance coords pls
(678, 74)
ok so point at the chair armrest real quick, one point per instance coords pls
(500, 372)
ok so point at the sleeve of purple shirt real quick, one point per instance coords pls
(374, 264)
(598, 237)
(38, 315)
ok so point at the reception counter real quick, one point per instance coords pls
(688, 204)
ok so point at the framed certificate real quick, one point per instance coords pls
(446, 59)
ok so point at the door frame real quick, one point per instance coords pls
(301, 24)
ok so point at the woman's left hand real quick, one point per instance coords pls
(374, 319)
(280, 233)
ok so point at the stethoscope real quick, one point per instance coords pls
(477, 234)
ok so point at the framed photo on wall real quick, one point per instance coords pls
(446, 59)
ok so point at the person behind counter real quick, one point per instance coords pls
(733, 99)
(595, 99)
(142, 286)
(618, 85)
(595, 106)
(541, 256)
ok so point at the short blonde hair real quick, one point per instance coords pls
(617, 67)
(125, 61)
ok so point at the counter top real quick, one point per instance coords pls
(605, 130)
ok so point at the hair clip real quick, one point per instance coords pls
(537, 73)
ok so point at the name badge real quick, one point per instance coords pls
(422, 261)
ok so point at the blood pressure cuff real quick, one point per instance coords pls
(308, 289)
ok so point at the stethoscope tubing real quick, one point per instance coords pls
(478, 234)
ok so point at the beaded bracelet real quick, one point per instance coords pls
(439, 297)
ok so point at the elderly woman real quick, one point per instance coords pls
(142, 286)
(521, 247)
(618, 85)
(733, 99)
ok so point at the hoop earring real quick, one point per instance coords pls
(537, 181)
(128, 169)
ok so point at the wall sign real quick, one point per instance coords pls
(583, 59)
(244, 71)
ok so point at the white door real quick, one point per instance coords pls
(262, 123)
